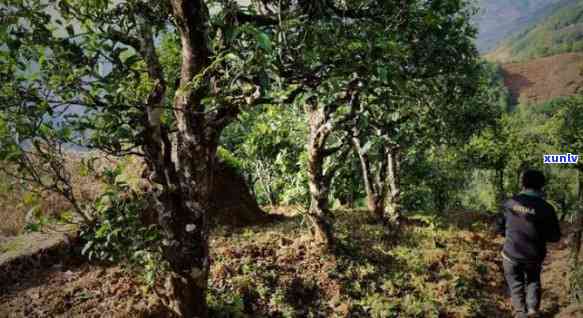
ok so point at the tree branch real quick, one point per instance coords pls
(258, 20)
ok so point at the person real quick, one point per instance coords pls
(527, 222)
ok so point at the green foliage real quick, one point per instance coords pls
(119, 234)
(269, 146)
(433, 178)
(567, 127)
(446, 178)
(518, 142)
(227, 157)
(227, 305)
(420, 85)
(486, 147)
(551, 107)
(347, 184)
(37, 222)
(480, 194)
(489, 148)
(500, 19)
(565, 136)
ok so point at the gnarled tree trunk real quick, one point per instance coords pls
(375, 192)
(185, 204)
(499, 187)
(321, 124)
(185, 181)
(393, 210)
(319, 183)
(383, 190)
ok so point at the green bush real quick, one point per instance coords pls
(118, 235)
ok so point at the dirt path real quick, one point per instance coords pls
(555, 279)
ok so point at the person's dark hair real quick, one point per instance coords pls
(533, 179)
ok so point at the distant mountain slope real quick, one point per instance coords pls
(543, 79)
(560, 32)
(499, 19)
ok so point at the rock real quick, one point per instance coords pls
(25, 252)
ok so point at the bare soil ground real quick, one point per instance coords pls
(543, 79)
(274, 271)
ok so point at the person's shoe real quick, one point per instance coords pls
(520, 314)
(532, 313)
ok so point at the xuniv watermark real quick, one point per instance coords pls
(560, 159)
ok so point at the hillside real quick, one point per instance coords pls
(499, 19)
(560, 32)
(543, 79)
(440, 267)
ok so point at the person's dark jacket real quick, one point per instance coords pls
(528, 222)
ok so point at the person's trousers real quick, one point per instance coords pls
(524, 283)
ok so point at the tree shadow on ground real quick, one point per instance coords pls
(553, 269)
(28, 277)
(363, 240)
(302, 295)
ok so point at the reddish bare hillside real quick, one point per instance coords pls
(543, 79)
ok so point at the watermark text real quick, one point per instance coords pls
(560, 159)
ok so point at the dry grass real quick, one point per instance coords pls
(17, 201)
(77, 290)
(17, 198)
(446, 267)
(12, 213)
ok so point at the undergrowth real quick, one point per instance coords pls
(119, 234)
(576, 286)
(436, 268)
